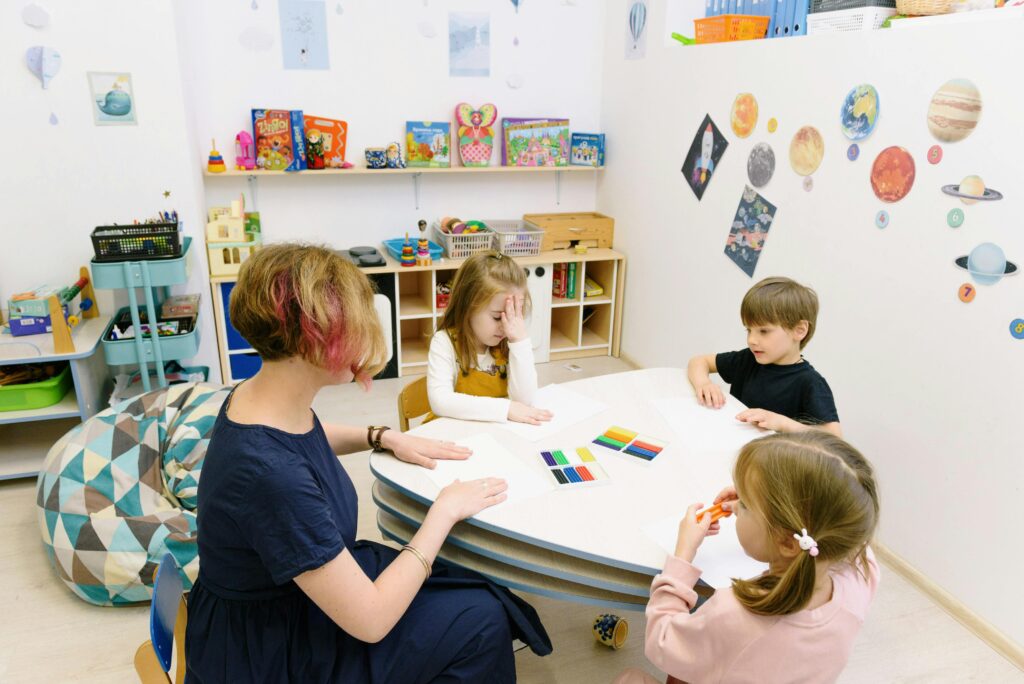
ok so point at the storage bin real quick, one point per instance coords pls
(121, 275)
(834, 5)
(123, 353)
(137, 242)
(561, 230)
(36, 395)
(730, 27)
(462, 245)
(394, 247)
(516, 237)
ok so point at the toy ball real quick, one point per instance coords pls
(475, 226)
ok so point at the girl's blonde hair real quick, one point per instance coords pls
(811, 480)
(478, 280)
(307, 301)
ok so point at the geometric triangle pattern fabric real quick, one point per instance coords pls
(118, 492)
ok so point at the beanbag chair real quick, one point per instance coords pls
(119, 491)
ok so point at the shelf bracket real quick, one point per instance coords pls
(558, 187)
(416, 188)
(253, 184)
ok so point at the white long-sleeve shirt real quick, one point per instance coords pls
(443, 371)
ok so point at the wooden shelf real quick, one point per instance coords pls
(587, 301)
(414, 352)
(561, 301)
(363, 171)
(26, 446)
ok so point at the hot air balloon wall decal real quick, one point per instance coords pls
(636, 34)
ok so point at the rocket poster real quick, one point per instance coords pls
(702, 159)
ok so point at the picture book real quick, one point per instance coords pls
(279, 139)
(325, 142)
(428, 143)
(587, 149)
(535, 142)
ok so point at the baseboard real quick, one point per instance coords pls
(629, 360)
(1001, 643)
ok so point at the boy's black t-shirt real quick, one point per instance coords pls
(796, 391)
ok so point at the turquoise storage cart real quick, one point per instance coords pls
(155, 277)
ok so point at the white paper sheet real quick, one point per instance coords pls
(720, 557)
(490, 459)
(700, 427)
(567, 406)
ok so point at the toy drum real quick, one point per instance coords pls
(611, 630)
(375, 158)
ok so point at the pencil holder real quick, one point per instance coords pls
(611, 630)
(375, 158)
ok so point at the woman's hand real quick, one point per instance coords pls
(519, 412)
(512, 322)
(709, 394)
(461, 500)
(692, 532)
(420, 450)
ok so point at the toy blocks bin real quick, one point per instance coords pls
(35, 395)
(587, 228)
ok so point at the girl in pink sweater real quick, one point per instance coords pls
(807, 505)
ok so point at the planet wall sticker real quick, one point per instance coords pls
(859, 112)
(954, 110)
(744, 114)
(987, 264)
(972, 189)
(761, 165)
(892, 174)
(806, 151)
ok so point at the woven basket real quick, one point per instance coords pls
(922, 7)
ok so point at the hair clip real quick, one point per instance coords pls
(806, 541)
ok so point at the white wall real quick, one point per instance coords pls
(927, 387)
(383, 73)
(59, 182)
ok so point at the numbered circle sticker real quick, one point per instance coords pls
(1017, 328)
(967, 293)
(955, 218)
(808, 183)
(882, 219)
(934, 154)
(852, 152)
(772, 125)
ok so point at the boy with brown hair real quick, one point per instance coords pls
(783, 391)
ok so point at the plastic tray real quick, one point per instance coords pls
(35, 395)
(124, 274)
(394, 248)
(172, 348)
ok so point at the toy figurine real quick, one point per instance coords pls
(476, 135)
(423, 257)
(315, 149)
(408, 257)
(393, 156)
(245, 152)
(216, 162)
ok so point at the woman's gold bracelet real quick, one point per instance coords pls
(416, 552)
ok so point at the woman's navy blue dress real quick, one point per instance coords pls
(273, 505)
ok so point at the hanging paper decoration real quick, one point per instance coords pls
(254, 5)
(515, 3)
(53, 119)
(637, 21)
(44, 62)
(35, 16)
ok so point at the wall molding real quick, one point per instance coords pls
(983, 629)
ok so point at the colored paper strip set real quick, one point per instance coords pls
(574, 469)
(632, 443)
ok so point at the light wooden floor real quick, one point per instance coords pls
(48, 635)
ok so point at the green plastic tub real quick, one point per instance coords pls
(35, 395)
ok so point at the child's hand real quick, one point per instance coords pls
(512, 322)
(709, 394)
(461, 500)
(420, 450)
(692, 532)
(767, 420)
(727, 497)
(519, 412)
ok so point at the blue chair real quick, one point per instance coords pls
(167, 619)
